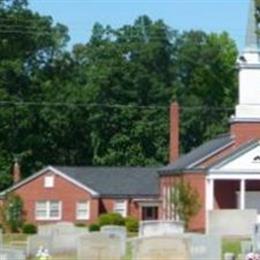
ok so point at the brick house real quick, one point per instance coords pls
(225, 171)
(81, 194)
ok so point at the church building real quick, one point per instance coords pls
(226, 170)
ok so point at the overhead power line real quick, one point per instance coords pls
(90, 105)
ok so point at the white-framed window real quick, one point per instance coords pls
(48, 210)
(82, 210)
(49, 182)
(120, 206)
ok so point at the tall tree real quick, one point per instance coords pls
(106, 101)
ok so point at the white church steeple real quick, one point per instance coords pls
(248, 108)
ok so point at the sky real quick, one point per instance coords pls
(207, 15)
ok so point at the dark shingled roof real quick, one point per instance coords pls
(116, 181)
(196, 155)
(234, 154)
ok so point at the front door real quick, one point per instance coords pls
(150, 213)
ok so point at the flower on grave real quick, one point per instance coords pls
(43, 254)
(252, 256)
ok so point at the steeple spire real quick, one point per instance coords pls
(252, 39)
(248, 108)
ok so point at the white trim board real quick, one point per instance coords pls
(55, 171)
(235, 176)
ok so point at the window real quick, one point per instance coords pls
(150, 213)
(120, 207)
(48, 210)
(82, 210)
(49, 182)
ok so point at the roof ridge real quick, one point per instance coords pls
(96, 166)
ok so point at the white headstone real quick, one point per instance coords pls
(204, 246)
(161, 247)
(160, 227)
(34, 242)
(11, 254)
(119, 231)
(99, 246)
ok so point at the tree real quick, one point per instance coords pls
(12, 212)
(185, 200)
(257, 4)
(207, 81)
(106, 101)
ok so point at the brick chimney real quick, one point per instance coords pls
(174, 132)
(16, 172)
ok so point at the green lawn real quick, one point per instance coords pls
(231, 245)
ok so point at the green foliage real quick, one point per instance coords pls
(79, 224)
(29, 228)
(12, 212)
(231, 246)
(132, 224)
(93, 227)
(185, 200)
(129, 75)
(111, 219)
(257, 4)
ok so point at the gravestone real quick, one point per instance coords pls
(161, 247)
(256, 238)
(242, 223)
(160, 227)
(46, 230)
(241, 257)
(116, 231)
(98, 246)
(34, 242)
(229, 256)
(204, 246)
(64, 243)
(11, 254)
(246, 247)
(64, 228)
(63, 236)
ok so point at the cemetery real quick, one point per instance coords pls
(66, 241)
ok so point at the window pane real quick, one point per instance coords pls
(82, 210)
(54, 209)
(41, 209)
(120, 207)
(49, 181)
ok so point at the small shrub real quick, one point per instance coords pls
(29, 229)
(111, 219)
(79, 224)
(12, 212)
(132, 224)
(93, 227)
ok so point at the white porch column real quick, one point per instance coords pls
(242, 194)
(210, 194)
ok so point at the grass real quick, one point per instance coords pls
(128, 255)
(14, 237)
(231, 245)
